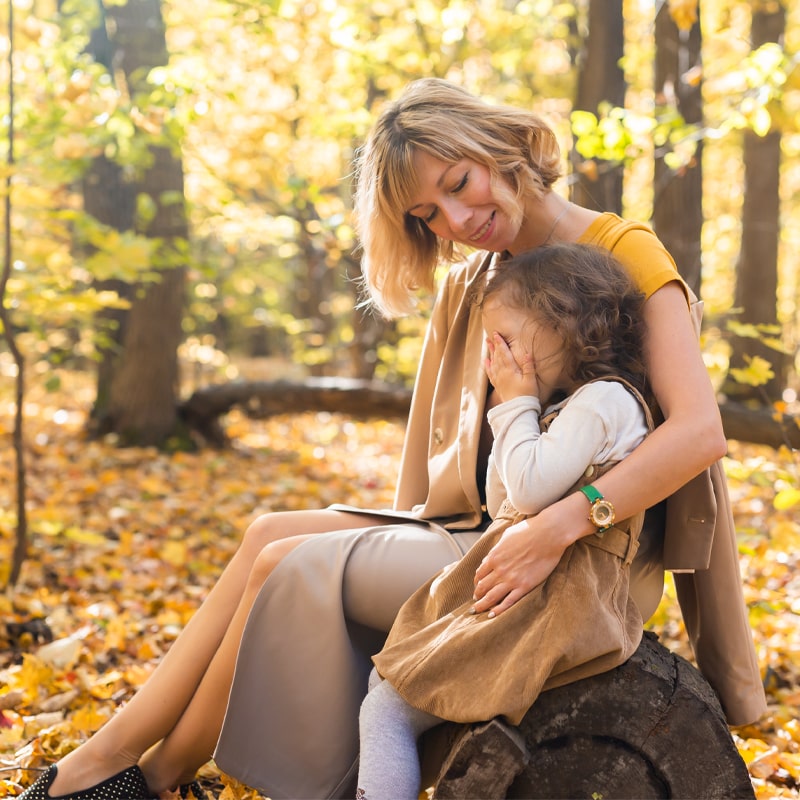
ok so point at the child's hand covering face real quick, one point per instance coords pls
(525, 356)
(509, 377)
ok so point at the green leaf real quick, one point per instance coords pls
(583, 123)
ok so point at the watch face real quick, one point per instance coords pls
(602, 513)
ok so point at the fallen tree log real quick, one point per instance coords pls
(360, 398)
(760, 426)
(651, 728)
(261, 399)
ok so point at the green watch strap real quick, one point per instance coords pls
(592, 495)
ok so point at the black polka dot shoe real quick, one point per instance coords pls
(126, 785)
(192, 791)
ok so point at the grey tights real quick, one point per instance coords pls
(389, 766)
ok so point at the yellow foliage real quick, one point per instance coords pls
(116, 633)
(150, 533)
(74, 145)
(757, 372)
(174, 552)
(786, 499)
(684, 13)
(88, 718)
(31, 676)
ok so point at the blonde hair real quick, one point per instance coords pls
(399, 251)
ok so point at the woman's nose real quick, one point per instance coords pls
(458, 216)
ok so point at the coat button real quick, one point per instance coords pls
(438, 435)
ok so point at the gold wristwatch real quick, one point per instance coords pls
(601, 513)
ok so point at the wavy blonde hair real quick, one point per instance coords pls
(399, 251)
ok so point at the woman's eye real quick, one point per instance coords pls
(427, 220)
(462, 183)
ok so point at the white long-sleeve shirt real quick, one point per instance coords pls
(599, 422)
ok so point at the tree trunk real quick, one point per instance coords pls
(314, 285)
(369, 328)
(651, 728)
(111, 201)
(757, 270)
(678, 196)
(138, 382)
(600, 80)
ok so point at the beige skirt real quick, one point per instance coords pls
(291, 725)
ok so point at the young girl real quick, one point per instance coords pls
(565, 334)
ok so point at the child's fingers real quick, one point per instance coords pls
(502, 352)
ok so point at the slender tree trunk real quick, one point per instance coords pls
(369, 328)
(138, 377)
(757, 269)
(314, 287)
(144, 388)
(600, 80)
(678, 196)
(21, 539)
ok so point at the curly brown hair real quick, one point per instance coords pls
(587, 297)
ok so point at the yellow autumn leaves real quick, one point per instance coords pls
(126, 543)
(684, 13)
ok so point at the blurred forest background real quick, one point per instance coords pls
(178, 260)
(179, 188)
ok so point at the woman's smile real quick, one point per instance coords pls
(485, 230)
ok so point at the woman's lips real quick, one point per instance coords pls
(485, 230)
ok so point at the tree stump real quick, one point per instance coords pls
(651, 728)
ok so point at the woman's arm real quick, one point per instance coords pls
(689, 440)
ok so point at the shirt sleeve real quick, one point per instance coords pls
(602, 421)
(495, 490)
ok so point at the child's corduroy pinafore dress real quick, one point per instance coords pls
(579, 622)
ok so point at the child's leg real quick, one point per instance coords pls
(389, 766)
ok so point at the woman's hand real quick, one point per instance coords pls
(525, 555)
(509, 378)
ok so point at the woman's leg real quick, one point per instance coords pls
(190, 744)
(156, 709)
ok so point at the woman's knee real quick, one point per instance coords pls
(264, 529)
(279, 525)
(268, 557)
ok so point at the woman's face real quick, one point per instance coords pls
(457, 203)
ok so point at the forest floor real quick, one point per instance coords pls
(124, 545)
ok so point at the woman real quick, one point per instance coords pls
(441, 168)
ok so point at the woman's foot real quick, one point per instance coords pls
(126, 785)
(184, 791)
(192, 791)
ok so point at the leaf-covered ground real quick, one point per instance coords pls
(125, 543)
